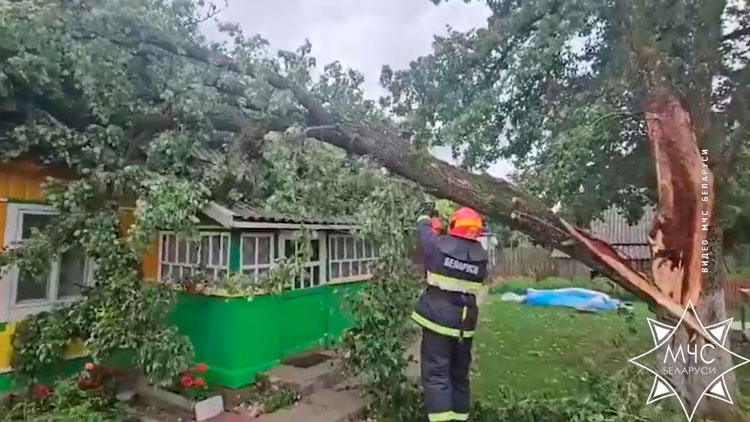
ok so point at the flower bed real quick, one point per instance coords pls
(189, 394)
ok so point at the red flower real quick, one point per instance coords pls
(186, 381)
(202, 368)
(199, 382)
(41, 391)
(89, 366)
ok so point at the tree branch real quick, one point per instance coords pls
(736, 34)
(317, 114)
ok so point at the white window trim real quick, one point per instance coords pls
(272, 253)
(322, 253)
(9, 310)
(331, 260)
(216, 268)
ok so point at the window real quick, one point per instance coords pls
(312, 276)
(257, 254)
(24, 294)
(350, 258)
(181, 257)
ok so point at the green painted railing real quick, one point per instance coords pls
(238, 338)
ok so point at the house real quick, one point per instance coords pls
(631, 241)
(235, 335)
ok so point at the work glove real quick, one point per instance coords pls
(436, 224)
(428, 208)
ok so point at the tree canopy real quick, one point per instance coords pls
(560, 88)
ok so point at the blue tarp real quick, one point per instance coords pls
(584, 299)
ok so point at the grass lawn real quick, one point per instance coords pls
(538, 349)
(740, 273)
(535, 350)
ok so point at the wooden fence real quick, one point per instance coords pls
(525, 261)
(732, 295)
(536, 262)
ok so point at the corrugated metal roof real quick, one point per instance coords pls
(630, 240)
(250, 213)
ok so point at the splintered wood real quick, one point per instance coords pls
(685, 189)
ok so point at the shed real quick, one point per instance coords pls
(630, 241)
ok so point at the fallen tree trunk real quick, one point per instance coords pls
(491, 196)
(499, 199)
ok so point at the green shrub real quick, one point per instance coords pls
(63, 402)
(607, 399)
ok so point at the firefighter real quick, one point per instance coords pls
(456, 266)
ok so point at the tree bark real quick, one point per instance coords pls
(686, 243)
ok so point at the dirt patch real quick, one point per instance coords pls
(306, 360)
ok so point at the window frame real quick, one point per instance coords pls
(333, 260)
(10, 310)
(293, 235)
(257, 267)
(177, 237)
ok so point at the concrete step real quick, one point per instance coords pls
(325, 405)
(231, 417)
(327, 396)
(313, 372)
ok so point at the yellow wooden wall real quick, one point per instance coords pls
(19, 181)
(22, 181)
(150, 264)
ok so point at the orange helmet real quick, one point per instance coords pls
(466, 223)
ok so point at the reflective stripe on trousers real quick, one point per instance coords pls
(447, 416)
(463, 319)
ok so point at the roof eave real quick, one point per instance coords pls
(220, 214)
(291, 226)
(230, 220)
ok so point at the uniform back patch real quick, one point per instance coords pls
(460, 266)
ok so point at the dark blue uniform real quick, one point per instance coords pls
(447, 311)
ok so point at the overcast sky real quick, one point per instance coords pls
(362, 34)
